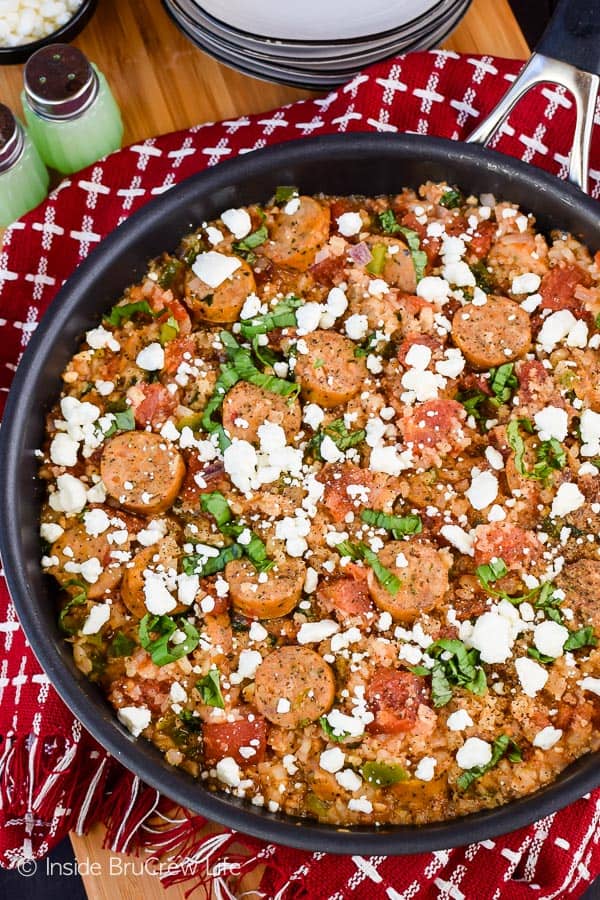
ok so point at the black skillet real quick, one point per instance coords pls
(341, 164)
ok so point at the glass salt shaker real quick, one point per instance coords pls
(71, 113)
(23, 176)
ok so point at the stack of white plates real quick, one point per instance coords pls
(313, 43)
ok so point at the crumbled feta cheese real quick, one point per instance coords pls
(459, 274)
(283, 705)
(459, 720)
(257, 632)
(459, 538)
(356, 327)
(532, 676)
(308, 317)
(568, 499)
(228, 772)
(177, 693)
(151, 358)
(330, 451)
(98, 616)
(552, 422)
(349, 780)
(332, 760)
(313, 415)
(474, 752)
(361, 804)
(483, 490)
(214, 235)
(63, 450)
(558, 327)
(433, 289)
(547, 737)
(349, 223)
(95, 522)
(452, 365)
(154, 532)
(549, 638)
(70, 497)
(238, 222)
(493, 636)
(418, 356)
(426, 768)
(134, 718)
(50, 531)
(251, 307)
(590, 433)
(158, 599)
(589, 683)
(315, 632)
(390, 460)
(494, 457)
(528, 283)
(214, 268)
(100, 338)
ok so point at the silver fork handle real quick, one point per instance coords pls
(584, 89)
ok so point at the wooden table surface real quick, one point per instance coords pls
(162, 82)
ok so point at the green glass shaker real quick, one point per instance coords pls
(71, 113)
(23, 176)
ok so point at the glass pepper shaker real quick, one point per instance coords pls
(23, 176)
(71, 113)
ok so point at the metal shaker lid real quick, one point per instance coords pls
(59, 81)
(12, 138)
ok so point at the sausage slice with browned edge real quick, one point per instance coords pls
(295, 237)
(142, 471)
(223, 303)
(328, 372)
(158, 558)
(247, 406)
(490, 335)
(423, 576)
(260, 599)
(296, 675)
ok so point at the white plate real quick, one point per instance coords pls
(316, 20)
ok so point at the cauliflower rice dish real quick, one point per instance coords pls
(323, 505)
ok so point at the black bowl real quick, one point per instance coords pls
(341, 164)
(12, 55)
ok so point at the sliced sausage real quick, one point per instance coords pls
(329, 373)
(223, 739)
(223, 303)
(254, 406)
(75, 545)
(394, 698)
(423, 576)
(295, 238)
(301, 677)
(160, 557)
(581, 583)
(270, 599)
(398, 270)
(142, 471)
(492, 334)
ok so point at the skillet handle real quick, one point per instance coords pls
(568, 55)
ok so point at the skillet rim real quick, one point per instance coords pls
(84, 698)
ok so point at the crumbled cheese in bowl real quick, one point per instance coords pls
(26, 21)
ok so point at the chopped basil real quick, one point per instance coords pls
(503, 382)
(398, 525)
(388, 222)
(541, 657)
(210, 689)
(419, 257)
(217, 506)
(549, 602)
(483, 278)
(582, 638)
(327, 728)
(246, 246)
(452, 199)
(491, 572)
(517, 444)
(597, 321)
(190, 721)
(200, 564)
(123, 312)
(386, 579)
(227, 378)
(383, 774)
(77, 599)
(121, 645)
(473, 401)
(502, 746)
(242, 365)
(255, 550)
(281, 316)
(378, 256)
(366, 346)
(339, 434)
(161, 650)
(455, 666)
(123, 421)
(284, 193)
(169, 272)
(550, 454)
(168, 330)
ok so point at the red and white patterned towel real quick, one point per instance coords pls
(53, 776)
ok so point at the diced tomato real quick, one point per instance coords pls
(329, 271)
(177, 311)
(337, 479)
(212, 474)
(433, 422)
(347, 597)
(338, 207)
(472, 381)
(558, 286)
(394, 698)
(208, 586)
(409, 220)
(175, 351)
(534, 381)
(415, 338)
(223, 739)
(481, 242)
(517, 547)
(152, 404)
